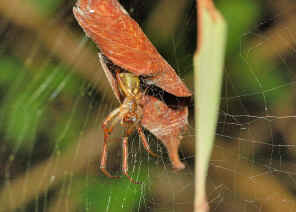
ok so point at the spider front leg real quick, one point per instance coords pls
(112, 118)
(145, 143)
(125, 160)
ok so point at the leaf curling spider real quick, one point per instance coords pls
(129, 113)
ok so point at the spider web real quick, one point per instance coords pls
(54, 98)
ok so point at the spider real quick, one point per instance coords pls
(129, 113)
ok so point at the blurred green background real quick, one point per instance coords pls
(54, 97)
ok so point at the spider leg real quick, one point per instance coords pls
(104, 161)
(145, 143)
(113, 117)
(125, 160)
(121, 85)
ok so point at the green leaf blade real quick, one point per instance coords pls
(208, 75)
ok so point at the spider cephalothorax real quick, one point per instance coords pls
(129, 114)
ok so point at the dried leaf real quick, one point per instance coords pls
(122, 41)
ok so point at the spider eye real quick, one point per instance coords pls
(130, 118)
